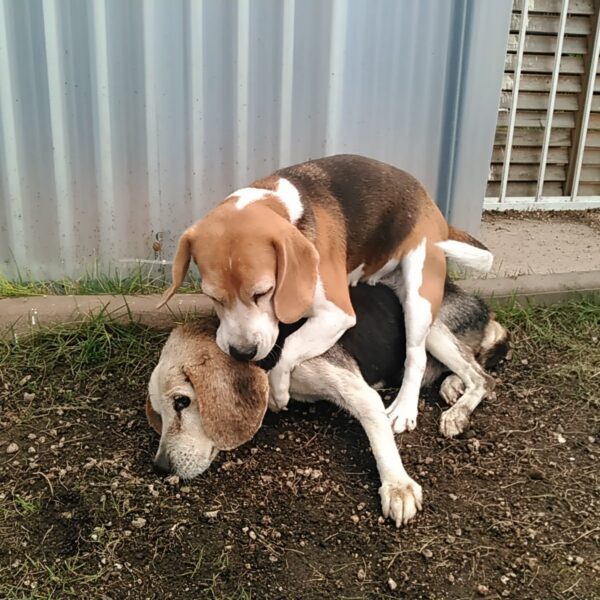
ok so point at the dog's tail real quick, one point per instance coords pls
(467, 251)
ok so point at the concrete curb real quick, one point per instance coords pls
(18, 315)
(536, 289)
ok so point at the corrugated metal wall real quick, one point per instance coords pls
(123, 118)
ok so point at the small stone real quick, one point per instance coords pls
(591, 439)
(138, 522)
(524, 362)
(427, 553)
(31, 450)
(483, 590)
(355, 518)
(579, 560)
(560, 438)
(428, 460)
(451, 578)
(253, 450)
(450, 539)
(25, 380)
(28, 397)
(12, 448)
(31, 436)
(211, 514)
(504, 579)
(360, 506)
(316, 474)
(172, 479)
(453, 497)
(392, 584)
(252, 535)
(361, 575)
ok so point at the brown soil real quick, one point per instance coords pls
(511, 508)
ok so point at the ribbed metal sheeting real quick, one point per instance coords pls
(120, 119)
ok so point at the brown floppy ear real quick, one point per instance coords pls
(153, 417)
(232, 398)
(297, 263)
(180, 266)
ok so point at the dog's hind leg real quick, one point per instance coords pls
(341, 383)
(419, 284)
(459, 359)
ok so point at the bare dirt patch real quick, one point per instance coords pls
(542, 242)
(511, 507)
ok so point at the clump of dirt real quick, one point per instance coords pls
(511, 508)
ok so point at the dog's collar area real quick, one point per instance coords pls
(273, 357)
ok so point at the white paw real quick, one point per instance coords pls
(452, 389)
(401, 500)
(454, 420)
(279, 389)
(403, 415)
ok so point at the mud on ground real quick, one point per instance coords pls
(511, 508)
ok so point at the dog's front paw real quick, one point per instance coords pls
(454, 420)
(403, 415)
(279, 389)
(452, 389)
(401, 500)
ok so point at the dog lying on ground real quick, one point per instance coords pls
(288, 245)
(201, 400)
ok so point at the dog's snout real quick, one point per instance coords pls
(162, 465)
(242, 355)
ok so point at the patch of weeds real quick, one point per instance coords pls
(567, 334)
(98, 345)
(138, 281)
(18, 506)
(33, 579)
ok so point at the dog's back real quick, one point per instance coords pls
(377, 342)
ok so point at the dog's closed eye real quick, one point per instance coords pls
(181, 402)
(259, 295)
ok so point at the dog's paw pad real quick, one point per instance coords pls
(401, 500)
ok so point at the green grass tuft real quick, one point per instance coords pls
(139, 281)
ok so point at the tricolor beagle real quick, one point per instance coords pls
(201, 400)
(287, 246)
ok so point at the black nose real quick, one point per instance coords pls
(243, 356)
(162, 465)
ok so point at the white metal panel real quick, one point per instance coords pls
(121, 119)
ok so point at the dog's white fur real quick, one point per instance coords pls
(317, 335)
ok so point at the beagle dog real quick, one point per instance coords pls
(287, 246)
(200, 400)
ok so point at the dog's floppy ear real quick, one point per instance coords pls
(153, 417)
(232, 398)
(297, 262)
(180, 265)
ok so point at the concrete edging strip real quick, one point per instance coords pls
(16, 314)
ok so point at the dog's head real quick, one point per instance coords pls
(258, 269)
(201, 401)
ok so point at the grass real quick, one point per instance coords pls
(139, 281)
